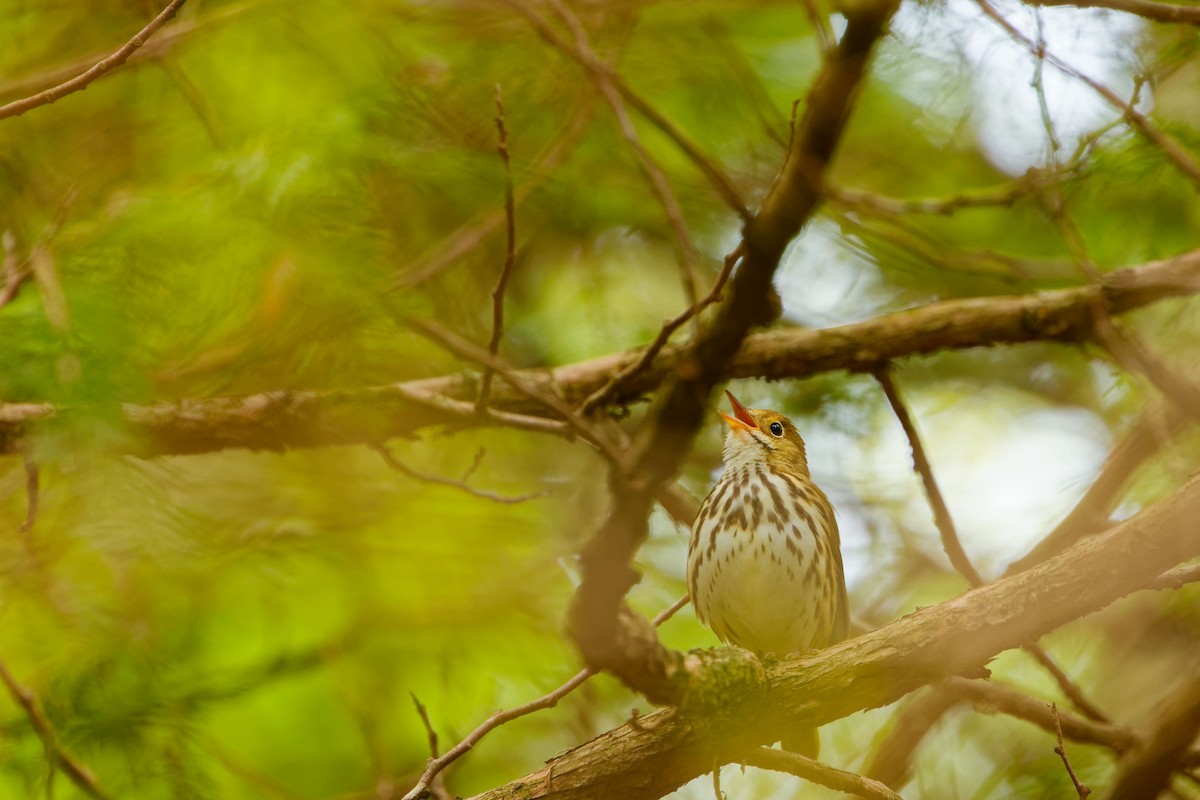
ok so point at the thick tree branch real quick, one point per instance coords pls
(733, 702)
(80, 82)
(290, 419)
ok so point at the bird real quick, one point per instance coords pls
(764, 567)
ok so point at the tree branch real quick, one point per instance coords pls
(1060, 750)
(815, 771)
(1159, 12)
(80, 82)
(56, 753)
(289, 419)
(510, 251)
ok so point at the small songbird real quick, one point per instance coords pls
(765, 562)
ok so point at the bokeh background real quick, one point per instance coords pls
(260, 198)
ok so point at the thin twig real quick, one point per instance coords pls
(16, 270)
(1061, 750)
(949, 535)
(437, 785)
(941, 513)
(18, 107)
(474, 231)
(1159, 12)
(715, 174)
(31, 493)
(548, 700)
(1068, 686)
(606, 392)
(1007, 195)
(1135, 356)
(462, 486)
(56, 752)
(163, 41)
(823, 774)
(464, 349)
(1165, 142)
(466, 410)
(510, 251)
(824, 32)
(685, 248)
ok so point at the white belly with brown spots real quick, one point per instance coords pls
(758, 573)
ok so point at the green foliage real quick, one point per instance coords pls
(260, 203)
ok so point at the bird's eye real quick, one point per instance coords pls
(776, 429)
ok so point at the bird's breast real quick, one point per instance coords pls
(760, 562)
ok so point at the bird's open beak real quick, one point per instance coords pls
(741, 418)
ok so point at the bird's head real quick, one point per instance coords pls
(760, 436)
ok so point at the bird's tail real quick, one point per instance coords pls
(803, 742)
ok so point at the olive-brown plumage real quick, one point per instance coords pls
(765, 562)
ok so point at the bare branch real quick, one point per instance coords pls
(602, 395)
(1068, 686)
(56, 752)
(18, 107)
(510, 253)
(1061, 750)
(464, 349)
(462, 486)
(815, 771)
(1133, 354)
(1029, 183)
(162, 42)
(941, 514)
(470, 234)
(31, 493)
(989, 696)
(1159, 12)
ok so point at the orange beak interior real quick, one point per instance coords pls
(741, 417)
